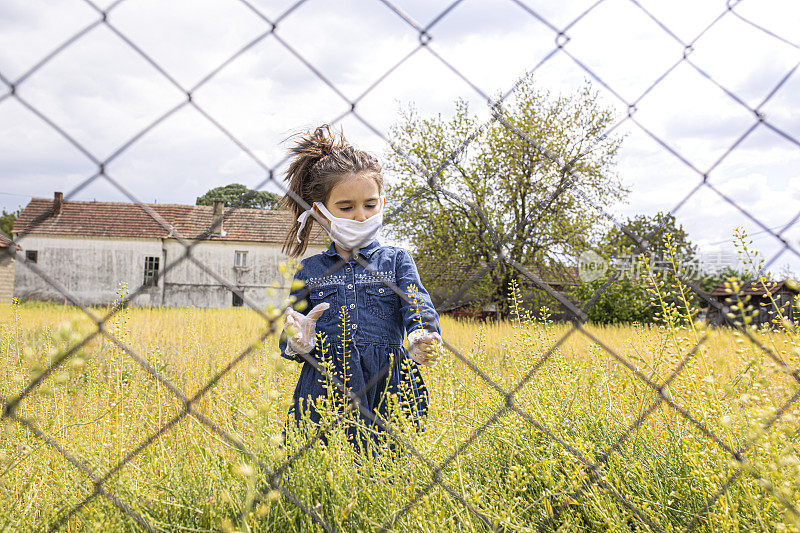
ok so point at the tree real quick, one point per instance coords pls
(238, 195)
(506, 173)
(616, 243)
(667, 251)
(623, 301)
(709, 282)
(7, 221)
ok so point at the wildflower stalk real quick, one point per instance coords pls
(754, 265)
(516, 302)
(343, 349)
(120, 330)
(413, 295)
(671, 315)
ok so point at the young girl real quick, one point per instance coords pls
(361, 319)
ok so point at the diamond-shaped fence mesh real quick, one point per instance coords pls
(656, 389)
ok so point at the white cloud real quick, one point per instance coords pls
(102, 93)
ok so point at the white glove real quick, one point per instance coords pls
(420, 345)
(304, 340)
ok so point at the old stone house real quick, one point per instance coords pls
(6, 268)
(90, 247)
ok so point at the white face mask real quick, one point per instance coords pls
(347, 233)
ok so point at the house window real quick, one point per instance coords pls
(237, 300)
(240, 260)
(150, 271)
(31, 256)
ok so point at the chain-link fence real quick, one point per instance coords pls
(596, 474)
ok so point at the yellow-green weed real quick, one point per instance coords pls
(102, 404)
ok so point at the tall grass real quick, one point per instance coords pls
(101, 405)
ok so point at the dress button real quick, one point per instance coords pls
(348, 269)
(321, 293)
(380, 290)
(355, 326)
(349, 285)
(352, 306)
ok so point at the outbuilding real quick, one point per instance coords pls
(772, 301)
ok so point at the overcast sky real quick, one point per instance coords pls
(102, 93)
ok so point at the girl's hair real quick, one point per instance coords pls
(320, 162)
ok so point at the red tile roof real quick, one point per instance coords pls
(753, 288)
(5, 242)
(115, 219)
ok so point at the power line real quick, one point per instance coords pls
(749, 234)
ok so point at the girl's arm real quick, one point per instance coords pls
(407, 276)
(301, 295)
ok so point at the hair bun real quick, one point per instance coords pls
(319, 144)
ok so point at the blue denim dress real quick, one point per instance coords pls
(361, 334)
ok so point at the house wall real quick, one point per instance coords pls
(6, 277)
(88, 268)
(189, 284)
(92, 268)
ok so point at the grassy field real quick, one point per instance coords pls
(100, 405)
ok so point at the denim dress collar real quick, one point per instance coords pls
(365, 251)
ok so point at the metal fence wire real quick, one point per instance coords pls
(569, 174)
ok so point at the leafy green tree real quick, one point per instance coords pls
(710, 282)
(645, 287)
(624, 300)
(513, 172)
(616, 243)
(238, 195)
(7, 221)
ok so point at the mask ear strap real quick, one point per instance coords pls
(304, 217)
(302, 220)
(324, 211)
(310, 213)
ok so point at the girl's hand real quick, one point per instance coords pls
(421, 345)
(304, 340)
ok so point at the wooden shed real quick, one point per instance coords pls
(6, 269)
(762, 296)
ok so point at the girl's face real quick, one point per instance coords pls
(355, 197)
